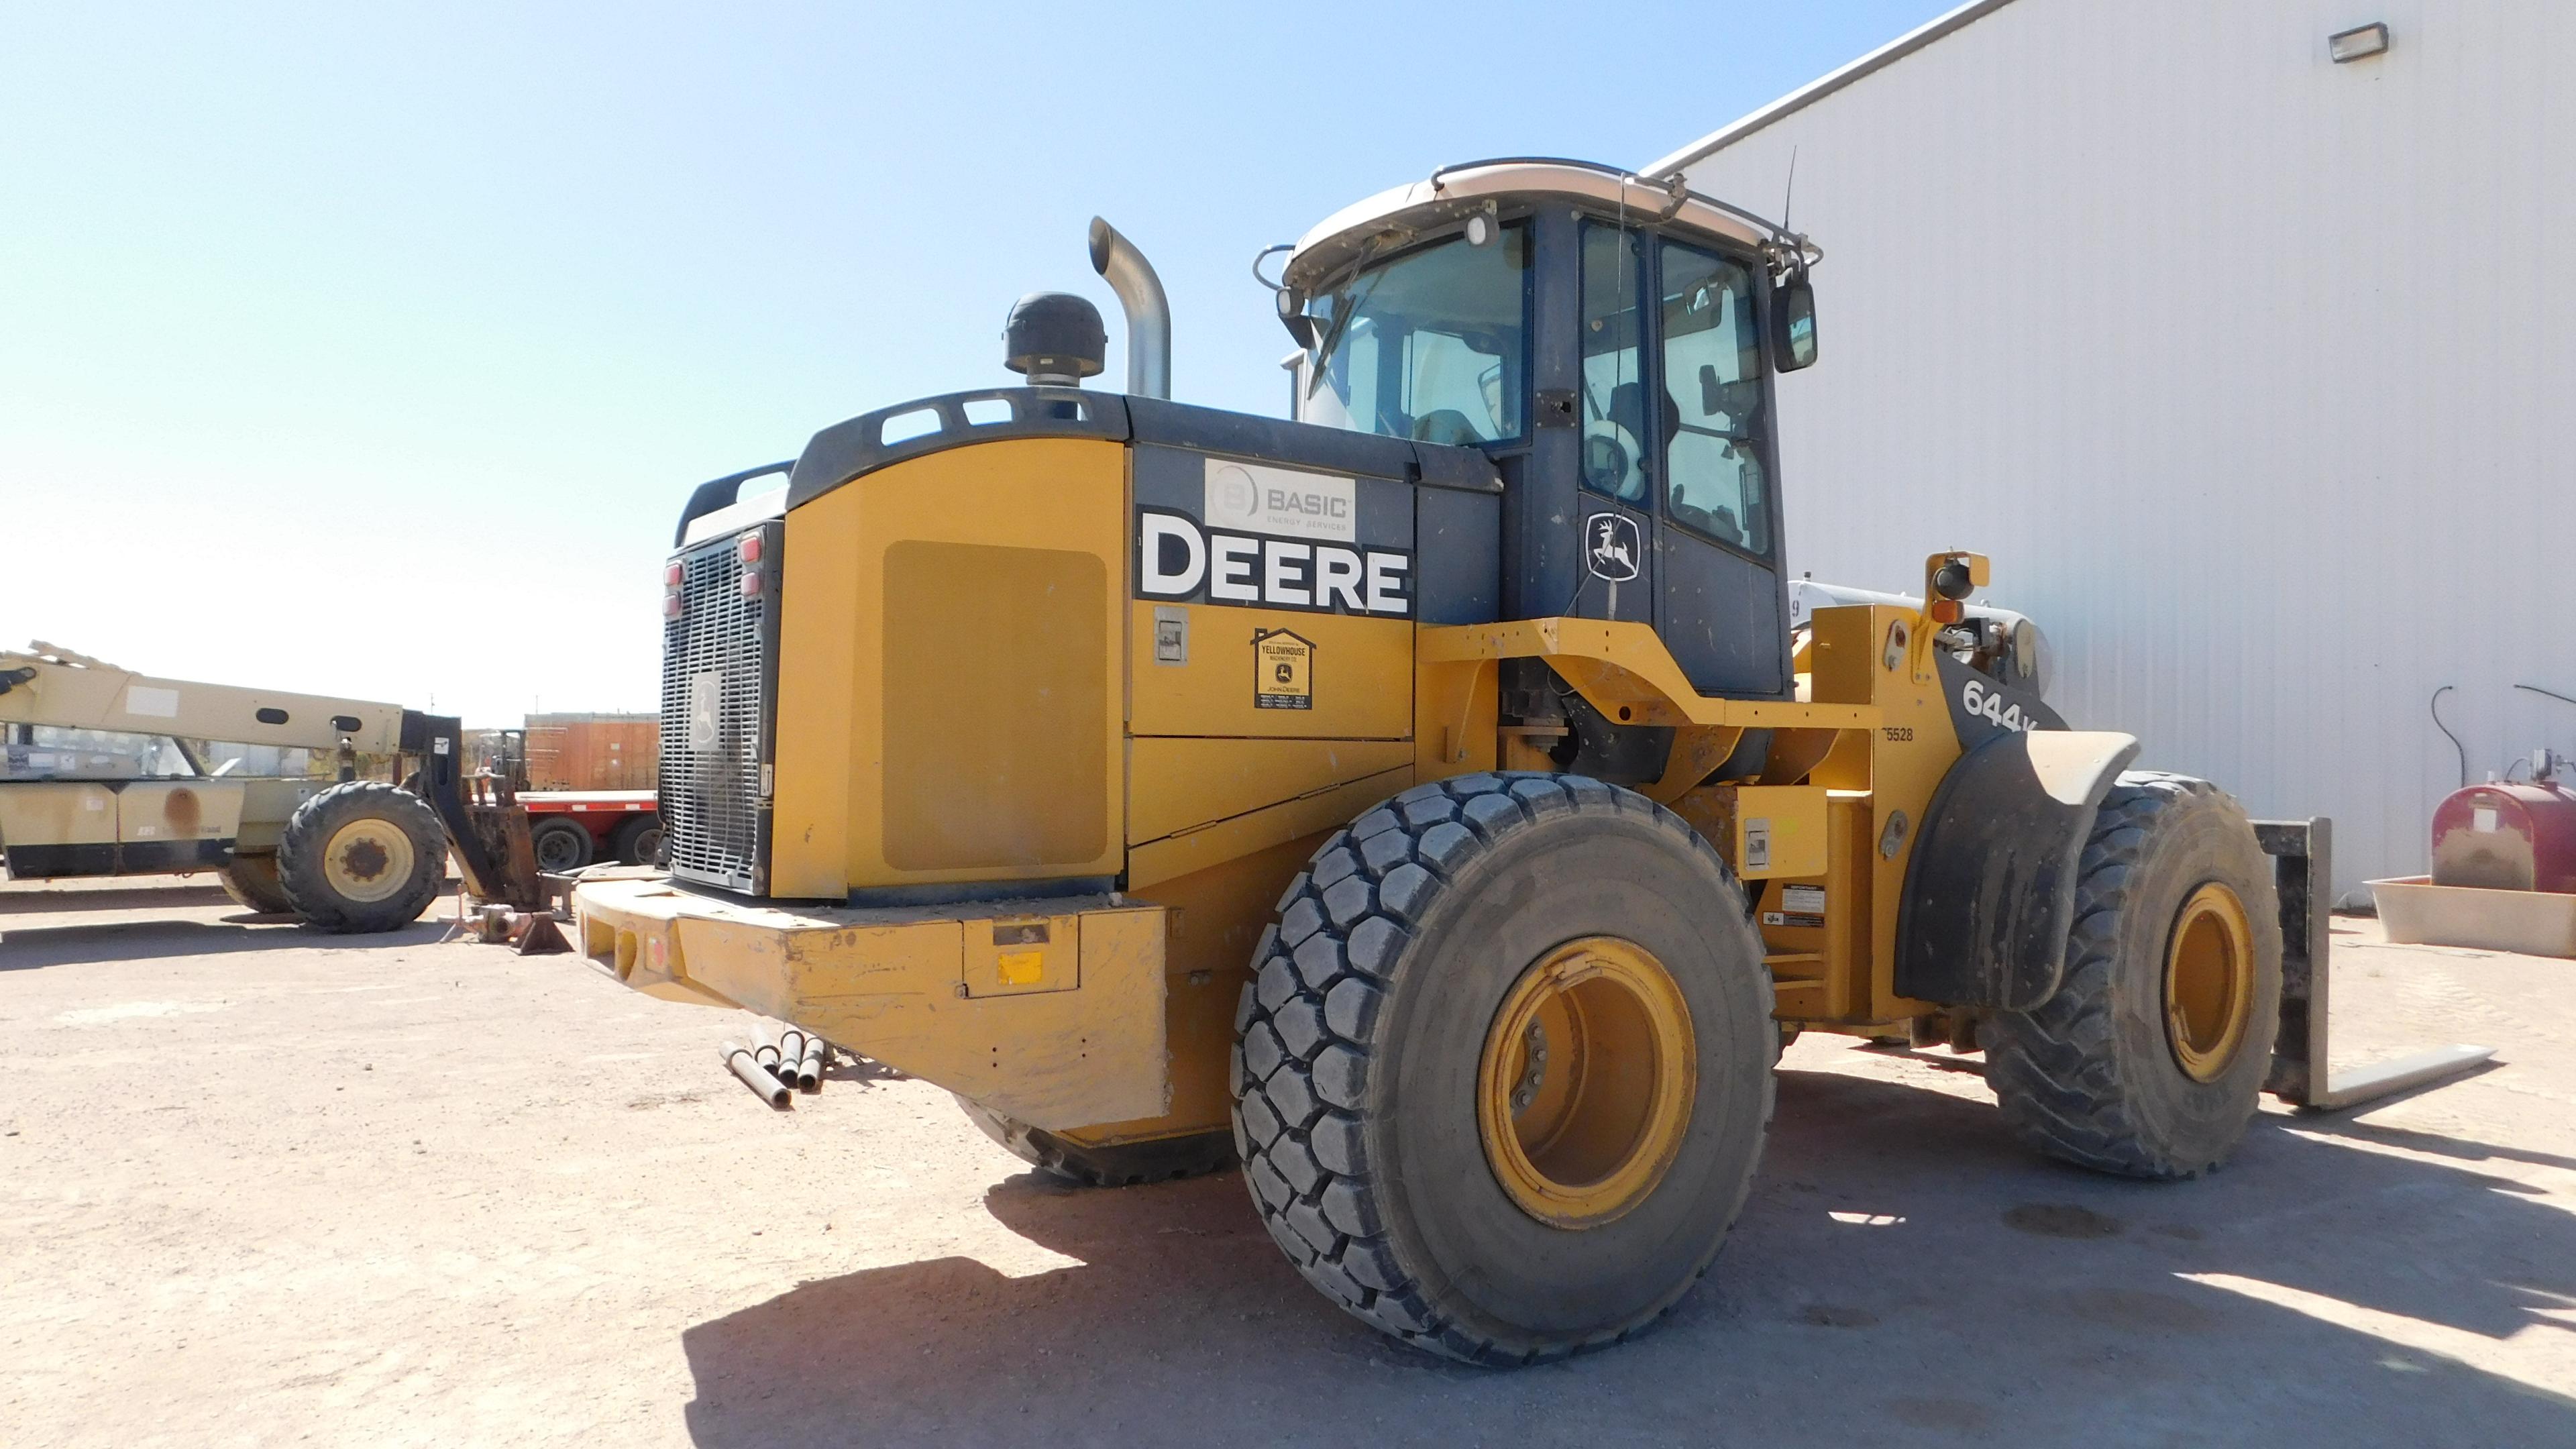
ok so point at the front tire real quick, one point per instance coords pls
(1505, 1067)
(362, 856)
(2150, 1059)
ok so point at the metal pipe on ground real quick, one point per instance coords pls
(739, 1060)
(791, 1050)
(809, 1065)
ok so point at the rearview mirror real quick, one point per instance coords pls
(1793, 324)
(1292, 315)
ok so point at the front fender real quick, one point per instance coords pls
(1990, 889)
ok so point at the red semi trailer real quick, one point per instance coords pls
(574, 828)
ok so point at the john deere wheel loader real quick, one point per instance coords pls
(1425, 800)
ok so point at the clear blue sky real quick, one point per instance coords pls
(372, 352)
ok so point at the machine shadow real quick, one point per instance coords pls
(114, 898)
(1966, 1298)
(26, 948)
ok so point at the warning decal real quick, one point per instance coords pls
(1283, 670)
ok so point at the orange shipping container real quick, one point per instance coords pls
(593, 751)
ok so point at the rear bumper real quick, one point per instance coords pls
(1047, 1011)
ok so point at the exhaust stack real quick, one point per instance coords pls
(1149, 314)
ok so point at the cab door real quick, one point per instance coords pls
(1722, 606)
(1614, 522)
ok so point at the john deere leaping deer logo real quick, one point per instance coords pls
(1612, 546)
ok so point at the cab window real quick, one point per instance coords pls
(1614, 393)
(1430, 345)
(1714, 480)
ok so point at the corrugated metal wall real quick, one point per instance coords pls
(2256, 374)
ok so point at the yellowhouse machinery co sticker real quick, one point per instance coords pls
(1283, 670)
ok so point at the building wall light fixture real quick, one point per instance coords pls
(2359, 43)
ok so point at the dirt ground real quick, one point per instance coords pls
(263, 1186)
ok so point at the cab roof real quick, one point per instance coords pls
(1449, 195)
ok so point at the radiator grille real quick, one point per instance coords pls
(719, 676)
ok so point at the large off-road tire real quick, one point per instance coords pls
(1406, 1137)
(362, 856)
(561, 844)
(2149, 1059)
(639, 840)
(251, 880)
(1123, 1164)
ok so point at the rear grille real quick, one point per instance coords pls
(719, 676)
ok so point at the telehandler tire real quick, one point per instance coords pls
(2149, 1059)
(1124, 1164)
(362, 856)
(251, 880)
(1504, 1069)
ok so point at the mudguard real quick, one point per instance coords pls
(1990, 891)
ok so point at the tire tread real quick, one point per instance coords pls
(1297, 1116)
(309, 829)
(2054, 1070)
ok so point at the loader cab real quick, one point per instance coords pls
(1611, 348)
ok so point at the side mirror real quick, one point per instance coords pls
(1793, 324)
(1292, 315)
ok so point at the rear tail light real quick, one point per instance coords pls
(750, 549)
(751, 585)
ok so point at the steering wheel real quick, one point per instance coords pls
(1610, 455)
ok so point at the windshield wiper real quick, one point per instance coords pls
(1343, 317)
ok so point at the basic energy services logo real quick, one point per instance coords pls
(1271, 538)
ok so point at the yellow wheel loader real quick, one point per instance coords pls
(1427, 800)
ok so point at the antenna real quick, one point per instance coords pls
(1790, 191)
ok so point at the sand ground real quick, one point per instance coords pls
(263, 1186)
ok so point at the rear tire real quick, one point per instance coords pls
(362, 856)
(638, 841)
(1400, 973)
(251, 880)
(562, 845)
(1123, 1164)
(2112, 1072)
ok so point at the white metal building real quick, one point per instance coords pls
(2254, 370)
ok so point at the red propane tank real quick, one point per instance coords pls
(2506, 837)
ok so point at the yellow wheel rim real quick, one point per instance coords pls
(368, 860)
(1584, 1092)
(2209, 982)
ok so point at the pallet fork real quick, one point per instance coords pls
(488, 831)
(2302, 854)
